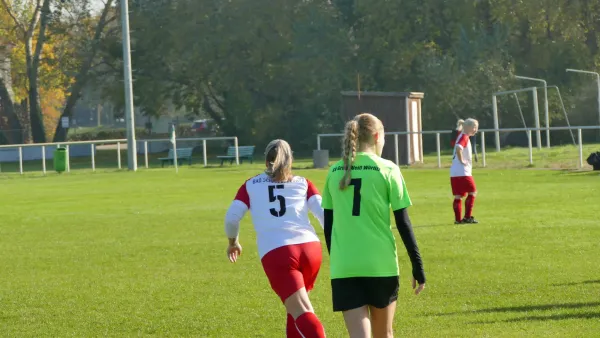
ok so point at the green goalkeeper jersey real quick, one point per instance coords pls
(362, 242)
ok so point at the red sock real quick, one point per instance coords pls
(309, 326)
(457, 209)
(291, 330)
(469, 203)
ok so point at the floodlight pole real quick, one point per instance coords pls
(546, 110)
(597, 81)
(129, 110)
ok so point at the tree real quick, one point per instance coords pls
(26, 26)
(87, 55)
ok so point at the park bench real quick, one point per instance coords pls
(244, 152)
(182, 154)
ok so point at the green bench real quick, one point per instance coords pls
(182, 154)
(244, 152)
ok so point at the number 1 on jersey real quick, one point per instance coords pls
(357, 183)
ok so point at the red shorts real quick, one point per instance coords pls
(291, 267)
(462, 185)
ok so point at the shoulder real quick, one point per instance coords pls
(311, 189)
(258, 179)
(336, 167)
(462, 140)
(387, 167)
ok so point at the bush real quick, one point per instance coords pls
(103, 134)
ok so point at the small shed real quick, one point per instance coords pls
(399, 112)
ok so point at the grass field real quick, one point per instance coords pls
(143, 254)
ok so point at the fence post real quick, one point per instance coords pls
(146, 153)
(580, 141)
(204, 155)
(237, 151)
(44, 160)
(68, 160)
(318, 142)
(483, 148)
(21, 160)
(396, 149)
(92, 148)
(530, 146)
(119, 153)
(439, 152)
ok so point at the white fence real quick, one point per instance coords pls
(482, 142)
(37, 151)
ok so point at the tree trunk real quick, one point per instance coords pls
(7, 99)
(33, 65)
(60, 133)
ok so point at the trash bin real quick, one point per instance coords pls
(320, 158)
(594, 160)
(60, 159)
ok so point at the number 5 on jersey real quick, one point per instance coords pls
(273, 198)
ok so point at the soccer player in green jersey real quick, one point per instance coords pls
(358, 194)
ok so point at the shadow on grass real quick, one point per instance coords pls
(580, 173)
(578, 283)
(566, 316)
(436, 225)
(526, 308)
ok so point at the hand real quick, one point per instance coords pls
(418, 288)
(465, 163)
(234, 251)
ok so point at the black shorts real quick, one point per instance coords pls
(352, 293)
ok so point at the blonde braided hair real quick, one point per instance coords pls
(358, 132)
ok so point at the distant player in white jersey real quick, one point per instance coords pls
(461, 178)
(288, 245)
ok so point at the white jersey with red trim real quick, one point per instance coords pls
(279, 210)
(463, 143)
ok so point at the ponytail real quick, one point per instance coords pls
(460, 124)
(279, 158)
(349, 152)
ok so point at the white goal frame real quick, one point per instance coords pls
(536, 114)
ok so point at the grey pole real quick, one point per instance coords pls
(129, 118)
(598, 82)
(496, 124)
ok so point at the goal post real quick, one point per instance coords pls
(536, 113)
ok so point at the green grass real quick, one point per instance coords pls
(143, 254)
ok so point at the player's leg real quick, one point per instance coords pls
(382, 321)
(358, 323)
(349, 295)
(470, 201)
(298, 304)
(457, 203)
(457, 206)
(285, 280)
(383, 294)
(291, 331)
(307, 323)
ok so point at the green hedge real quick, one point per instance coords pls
(103, 134)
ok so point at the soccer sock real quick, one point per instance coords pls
(291, 330)
(469, 203)
(309, 326)
(457, 209)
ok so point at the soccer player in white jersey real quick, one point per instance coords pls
(288, 245)
(461, 178)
